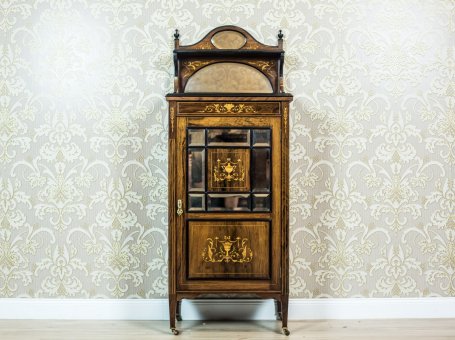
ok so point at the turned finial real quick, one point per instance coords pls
(280, 35)
(176, 39)
(280, 39)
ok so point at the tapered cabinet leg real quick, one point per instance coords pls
(172, 313)
(179, 310)
(278, 310)
(284, 314)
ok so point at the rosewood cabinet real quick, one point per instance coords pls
(228, 172)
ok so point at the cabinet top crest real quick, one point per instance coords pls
(228, 61)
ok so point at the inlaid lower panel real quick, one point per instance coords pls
(228, 249)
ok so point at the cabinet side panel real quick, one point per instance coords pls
(171, 200)
(285, 197)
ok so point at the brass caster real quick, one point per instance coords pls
(175, 331)
(286, 331)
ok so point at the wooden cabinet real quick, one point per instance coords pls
(228, 172)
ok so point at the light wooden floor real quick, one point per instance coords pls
(259, 330)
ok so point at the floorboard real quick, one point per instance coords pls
(252, 330)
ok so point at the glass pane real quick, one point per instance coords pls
(196, 169)
(261, 202)
(260, 170)
(196, 137)
(261, 137)
(196, 202)
(228, 202)
(228, 137)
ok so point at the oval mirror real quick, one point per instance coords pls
(228, 40)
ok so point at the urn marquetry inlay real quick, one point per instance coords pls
(227, 250)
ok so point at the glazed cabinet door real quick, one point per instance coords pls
(228, 196)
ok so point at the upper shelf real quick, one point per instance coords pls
(228, 60)
(225, 39)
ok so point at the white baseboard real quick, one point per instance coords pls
(157, 309)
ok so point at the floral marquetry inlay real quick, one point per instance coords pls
(265, 66)
(189, 67)
(229, 108)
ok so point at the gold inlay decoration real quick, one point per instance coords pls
(172, 119)
(229, 108)
(228, 171)
(285, 119)
(251, 45)
(227, 250)
(265, 66)
(192, 66)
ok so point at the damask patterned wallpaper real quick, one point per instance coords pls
(83, 134)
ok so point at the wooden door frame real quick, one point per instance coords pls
(274, 284)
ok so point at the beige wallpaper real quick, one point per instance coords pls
(83, 134)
